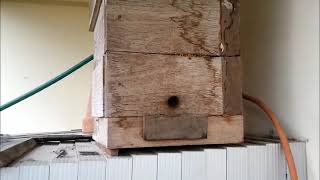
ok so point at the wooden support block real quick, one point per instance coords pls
(127, 132)
(199, 27)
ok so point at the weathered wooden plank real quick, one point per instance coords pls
(172, 27)
(178, 127)
(94, 7)
(13, 149)
(99, 36)
(127, 132)
(230, 27)
(138, 84)
(232, 86)
(98, 91)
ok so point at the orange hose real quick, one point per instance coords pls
(280, 131)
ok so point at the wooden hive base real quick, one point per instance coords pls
(114, 134)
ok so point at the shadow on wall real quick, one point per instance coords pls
(265, 51)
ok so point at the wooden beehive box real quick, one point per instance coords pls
(167, 72)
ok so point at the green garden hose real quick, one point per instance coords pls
(46, 84)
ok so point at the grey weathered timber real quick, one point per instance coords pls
(199, 27)
(167, 73)
(232, 85)
(138, 84)
(230, 27)
(13, 149)
(179, 127)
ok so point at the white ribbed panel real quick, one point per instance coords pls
(299, 155)
(64, 170)
(9, 173)
(144, 167)
(91, 166)
(66, 167)
(216, 164)
(193, 165)
(34, 170)
(92, 170)
(257, 162)
(237, 163)
(169, 166)
(275, 162)
(119, 168)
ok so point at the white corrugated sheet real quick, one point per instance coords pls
(254, 160)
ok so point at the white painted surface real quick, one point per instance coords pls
(119, 168)
(144, 167)
(280, 51)
(39, 41)
(169, 166)
(193, 165)
(257, 162)
(276, 162)
(237, 163)
(9, 173)
(216, 164)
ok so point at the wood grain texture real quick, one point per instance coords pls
(98, 91)
(99, 36)
(230, 27)
(94, 7)
(13, 149)
(177, 127)
(140, 84)
(127, 132)
(199, 27)
(232, 86)
(164, 26)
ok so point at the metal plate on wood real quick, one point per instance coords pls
(175, 127)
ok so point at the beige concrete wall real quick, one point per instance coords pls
(40, 39)
(280, 52)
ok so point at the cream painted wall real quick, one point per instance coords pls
(280, 52)
(39, 41)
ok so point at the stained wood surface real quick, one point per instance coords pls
(179, 127)
(230, 27)
(232, 86)
(140, 84)
(127, 132)
(199, 27)
(13, 149)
